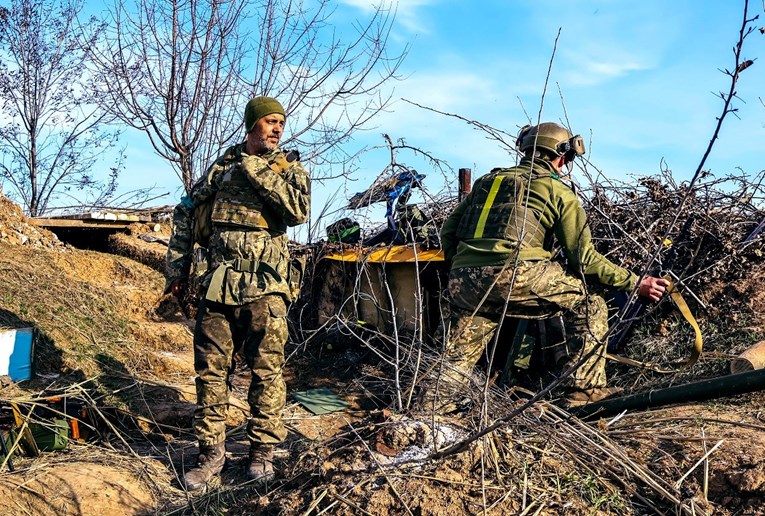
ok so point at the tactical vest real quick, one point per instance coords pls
(201, 226)
(497, 210)
(238, 204)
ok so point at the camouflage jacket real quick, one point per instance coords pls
(254, 199)
(552, 205)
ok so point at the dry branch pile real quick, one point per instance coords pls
(372, 461)
(711, 236)
(710, 240)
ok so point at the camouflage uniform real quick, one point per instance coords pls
(500, 241)
(246, 286)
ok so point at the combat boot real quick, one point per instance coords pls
(209, 463)
(260, 467)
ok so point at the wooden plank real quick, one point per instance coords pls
(77, 223)
(104, 215)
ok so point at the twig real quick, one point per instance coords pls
(350, 504)
(698, 463)
(705, 484)
(315, 502)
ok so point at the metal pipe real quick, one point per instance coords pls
(703, 390)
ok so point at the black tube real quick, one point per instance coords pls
(703, 390)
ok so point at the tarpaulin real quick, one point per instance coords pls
(320, 400)
(393, 254)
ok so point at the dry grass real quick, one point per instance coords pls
(98, 329)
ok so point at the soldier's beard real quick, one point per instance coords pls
(262, 139)
(270, 143)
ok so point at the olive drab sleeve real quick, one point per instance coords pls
(573, 233)
(287, 193)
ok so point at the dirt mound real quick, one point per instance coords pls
(103, 325)
(144, 243)
(86, 303)
(15, 228)
(77, 488)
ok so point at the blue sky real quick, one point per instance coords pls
(639, 80)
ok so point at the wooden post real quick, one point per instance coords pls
(751, 359)
(465, 183)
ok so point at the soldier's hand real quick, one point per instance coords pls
(653, 288)
(280, 164)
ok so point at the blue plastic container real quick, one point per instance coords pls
(16, 353)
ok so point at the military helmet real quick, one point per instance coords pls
(551, 137)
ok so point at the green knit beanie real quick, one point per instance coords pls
(259, 107)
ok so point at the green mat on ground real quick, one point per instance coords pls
(320, 401)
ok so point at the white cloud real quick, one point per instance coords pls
(408, 12)
(600, 41)
(591, 72)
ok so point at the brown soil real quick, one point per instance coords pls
(735, 475)
(17, 230)
(132, 244)
(76, 489)
(103, 317)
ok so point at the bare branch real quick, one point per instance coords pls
(178, 72)
(53, 133)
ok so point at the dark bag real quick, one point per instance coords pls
(346, 231)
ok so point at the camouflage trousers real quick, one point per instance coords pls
(532, 290)
(257, 330)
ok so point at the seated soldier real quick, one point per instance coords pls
(500, 242)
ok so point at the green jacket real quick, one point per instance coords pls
(254, 201)
(552, 213)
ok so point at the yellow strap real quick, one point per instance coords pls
(487, 206)
(698, 344)
(16, 414)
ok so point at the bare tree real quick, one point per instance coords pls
(331, 79)
(174, 71)
(182, 71)
(52, 131)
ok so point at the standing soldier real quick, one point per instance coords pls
(500, 242)
(240, 210)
